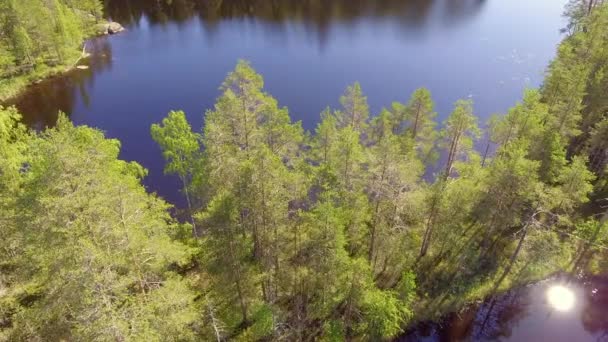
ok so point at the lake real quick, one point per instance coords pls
(553, 310)
(176, 56)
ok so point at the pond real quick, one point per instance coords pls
(551, 310)
(175, 54)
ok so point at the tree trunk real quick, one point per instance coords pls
(375, 218)
(236, 267)
(257, 249)
(426, 241)
(237, 280)
(187, 194)
(512, 259)
(346, 169)
(590, 8)
(214, 322)
(372, 240)
(352, 118)
(242, 301)
(485, 154)
(245, 124)
(349, 307)
(452, 154)
(415, 131)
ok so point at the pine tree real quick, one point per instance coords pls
(326, 136)
(228, 249)
(511, 186)
(355, 110)
(98, 246)
(420, 116)
(459, 133)
(394, 174)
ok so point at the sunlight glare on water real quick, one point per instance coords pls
(560, 297)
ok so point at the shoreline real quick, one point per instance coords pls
(475, 304)
(11, 88)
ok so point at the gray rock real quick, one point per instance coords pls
(114, 28)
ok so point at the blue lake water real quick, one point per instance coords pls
(176, 56)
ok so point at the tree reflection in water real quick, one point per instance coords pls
(316, 15)
(41, 102)
(523, 313)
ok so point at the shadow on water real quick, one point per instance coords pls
(43, 101)
(526, 314)
(317, 16)
(318, 13)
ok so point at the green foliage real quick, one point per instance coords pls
(333, 331)
(330, 236)
(384, 313)
(13, 148)
(593, 236)
(592, 230)
(406, 288)
(355, 110)
(325, 137)
(459, 132)
(262, 326)
(324, 232)
(419, 118)
(179, 144)
(224, 249)
(575, 184)
(91, 251)
(181, 149)
(36, 35)
(598, 159)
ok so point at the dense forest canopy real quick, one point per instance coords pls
(333, 234)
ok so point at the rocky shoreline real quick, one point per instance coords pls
(110, 28)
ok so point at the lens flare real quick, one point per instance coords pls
(561, 298)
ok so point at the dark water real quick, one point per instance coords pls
(175, 57)
(527, 315)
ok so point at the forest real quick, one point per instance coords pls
(355, 231)
(39, 38)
